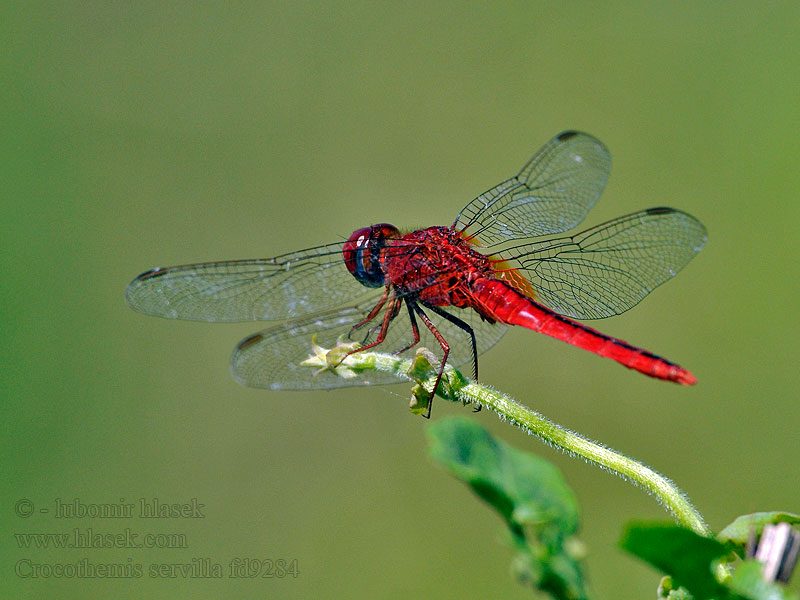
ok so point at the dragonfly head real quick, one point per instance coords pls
(362, 252)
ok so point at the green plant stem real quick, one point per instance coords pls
(455, 387)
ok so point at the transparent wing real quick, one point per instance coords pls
(284, 287)
(272, 358)
(610, 268)
(552, 193)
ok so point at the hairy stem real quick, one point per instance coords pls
(455, 387)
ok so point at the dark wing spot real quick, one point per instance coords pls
(565, 135)
(659, 210)
(253, 339)
(157, 272)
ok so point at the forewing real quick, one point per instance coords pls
(608, 269)
(552, 193)
(272, 358)
(284, 287)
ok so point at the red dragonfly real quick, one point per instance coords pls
(464, 282)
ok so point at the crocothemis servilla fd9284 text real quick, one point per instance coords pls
(500, 263)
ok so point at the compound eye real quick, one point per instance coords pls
(360, 237)
(361, 252)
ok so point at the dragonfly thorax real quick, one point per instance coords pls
(436, 264)
(362, 252)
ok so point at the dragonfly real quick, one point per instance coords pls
(504, 261)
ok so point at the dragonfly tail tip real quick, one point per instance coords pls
(684, 377)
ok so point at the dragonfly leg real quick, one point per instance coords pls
(410, 304)
(465, 326)
(376, 328)
(391, 313)
(373, 312)
(445, 351)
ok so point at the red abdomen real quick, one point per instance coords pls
(507, 305)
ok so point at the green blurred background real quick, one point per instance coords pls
(141, 134)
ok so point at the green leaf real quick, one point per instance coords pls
(680, 553)
(528, 492)
(748, 583)
(740, 529)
